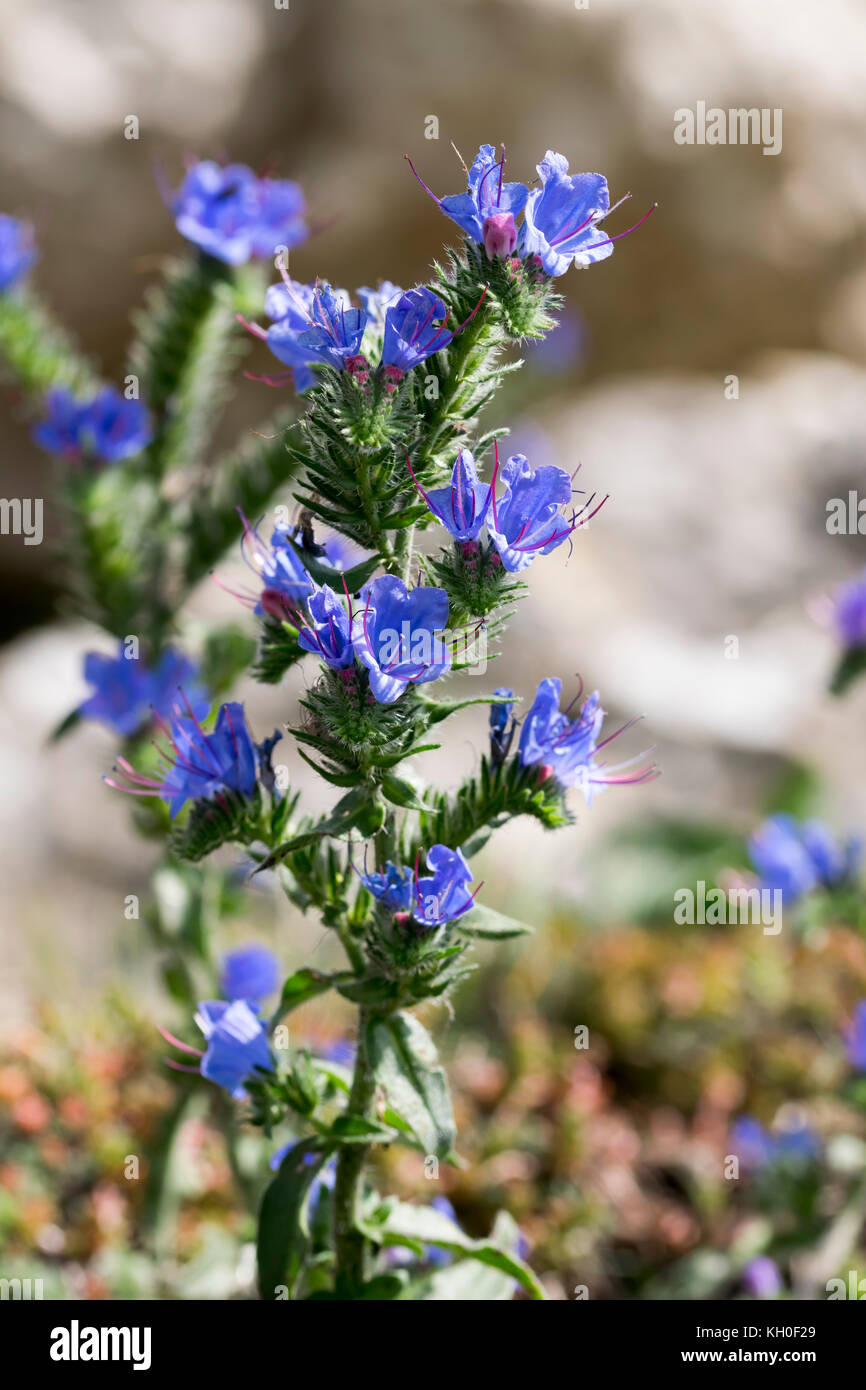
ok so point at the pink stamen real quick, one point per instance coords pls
(620, 235)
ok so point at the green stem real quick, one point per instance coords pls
(349, 1242)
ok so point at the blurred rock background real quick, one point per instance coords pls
(752, 266)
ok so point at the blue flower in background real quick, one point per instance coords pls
(59, 430)
(442, 895)
(340, 1051)
(762, 1277)
(236, 1044)
(17, 250)
(200, 766)
(329, 635)
(528, 519)
(395, 636)
(849, 612)
(250, 972)
(567, 749)
(377, 302)
(108, 426)
(114, 428)
(392, 887)
(757, 1147)
(127, 691)
(562, 216)
(855, 1037)
(796, 857)
(234, 216)
(462, 506)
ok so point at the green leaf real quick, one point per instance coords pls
(374, 991)
(486, 923)
(404, 1060)
(355, 1129)
(282, 1235)
(852, 665)
(66, 725)
(353, 578)
(401, 793)
(411, 1225)
(227, 653)
(302, 985)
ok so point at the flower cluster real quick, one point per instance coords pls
(127, 691)
(234, 215)
(561, 218)
(316, 325)
(797, 857)
(17, 251)
(525, 521)
(108, 427)
(438, 897)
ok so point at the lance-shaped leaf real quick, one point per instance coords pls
(400, 792)
(303, 985)
(353, 578)
(486, 923)
(283, 1230)
(404, 1060)
(416, 1226)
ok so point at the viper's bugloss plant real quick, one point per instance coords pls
(384, 445)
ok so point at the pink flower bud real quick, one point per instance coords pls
(500, 234)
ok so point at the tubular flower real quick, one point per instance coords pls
(329, 634)
(462, 506)
(438, 897)
(855, 1037)
(415, 329)
(285, 580)
(200, 766)
(395, 635)
(500, 733)
(317, 324)
(17, 250)
(127, 691)
(849, 612)
(391, 886)
(528, 519)
(237, 1044)
(567, 749)
(486, 212)
(234, 216)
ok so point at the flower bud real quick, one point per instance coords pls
(500, 234)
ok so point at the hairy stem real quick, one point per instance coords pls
(349, 1242)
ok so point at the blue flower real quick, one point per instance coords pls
(318, 324)
(798, 857)
(17, 250)
(329, 635)
(528, 519)
(233, 215)
(757, 1147)
(127, 691)
(113, 427)
(340, 1051)
(286, 583)
(462, 506)
(108, 426)
(486, 212)
(391, 886)
(567, 749)
(395, 635)
(849, 612)
(249, 972)
(561, 223)
(856, 1038)
(237, 1044)
(59, 431)
(200, 766)
(415, 329)
(442, 895)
